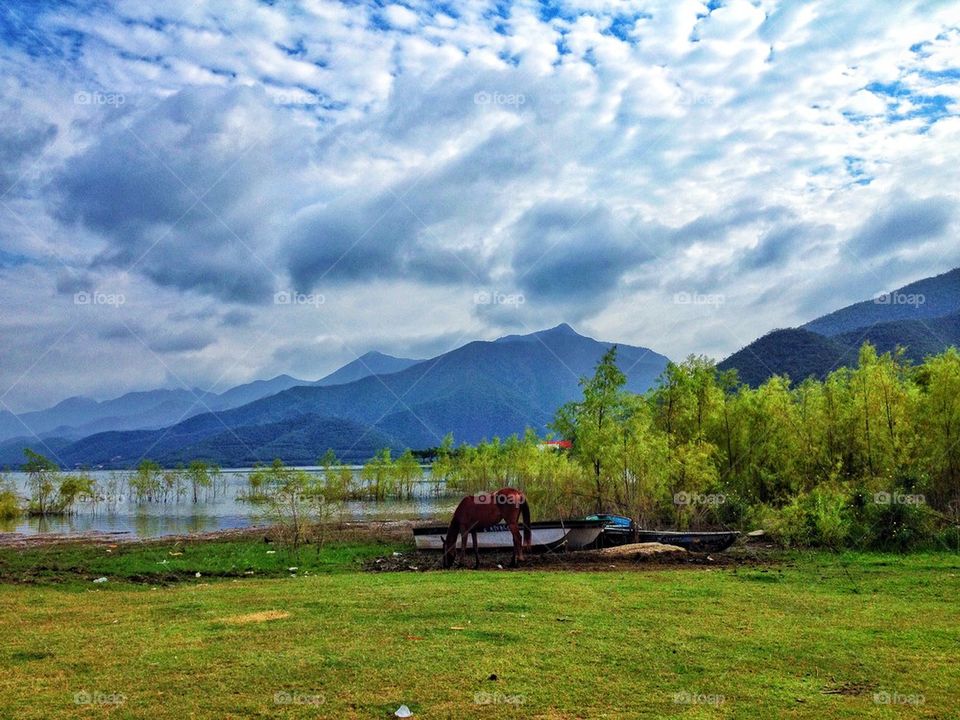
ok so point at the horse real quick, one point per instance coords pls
(480, 511)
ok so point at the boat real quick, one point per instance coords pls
(545, 534)
(594, 531)
(619, 530)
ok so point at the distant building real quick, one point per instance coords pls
(556, 445)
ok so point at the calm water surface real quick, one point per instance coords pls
(220, 510)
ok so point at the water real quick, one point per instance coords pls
(222, 510)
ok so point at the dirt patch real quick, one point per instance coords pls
(848, 688)
(584, 560)
(257, 617)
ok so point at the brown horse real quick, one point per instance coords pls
(480, 511)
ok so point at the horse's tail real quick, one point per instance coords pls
(527, 532)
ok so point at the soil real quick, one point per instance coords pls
(744, 555)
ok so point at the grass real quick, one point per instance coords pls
(166, 562)
(814, 636)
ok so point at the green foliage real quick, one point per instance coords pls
(53, 492)
(9, 500)
(703, 450)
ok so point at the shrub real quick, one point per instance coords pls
(9, 500)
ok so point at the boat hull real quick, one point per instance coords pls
(692, 541)
(575, 535)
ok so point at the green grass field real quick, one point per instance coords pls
(811, 635)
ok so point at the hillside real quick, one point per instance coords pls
(794, 352)
(927, 299)
(922, 317)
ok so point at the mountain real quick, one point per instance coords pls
(795, 352)
(922, 317)
(243, 394)
(372, 363)
(480, 390)
(79, 417)
(926, 299)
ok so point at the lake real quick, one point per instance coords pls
(219, 510)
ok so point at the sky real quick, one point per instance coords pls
(205, 193)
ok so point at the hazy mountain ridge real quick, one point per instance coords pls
(476, 391)
(79, 417)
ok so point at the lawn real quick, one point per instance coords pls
(811, 635)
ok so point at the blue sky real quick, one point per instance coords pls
(208, 193)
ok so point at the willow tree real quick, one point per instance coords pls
(593, 424)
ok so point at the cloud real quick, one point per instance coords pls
(903, 225)
(593, 156)
(184, 193)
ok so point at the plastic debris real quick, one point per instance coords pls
(403, 711)
(100, 580)
(293, 569)
(197, 575)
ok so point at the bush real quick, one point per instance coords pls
(9, 501)
(823, 516)
(898, 526)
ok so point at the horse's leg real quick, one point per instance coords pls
(517, 545)
(463, 549)
(476, 551)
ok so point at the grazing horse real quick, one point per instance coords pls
(480, 511)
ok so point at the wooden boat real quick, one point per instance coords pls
(546, 534)
(619, 530)
(591, 532)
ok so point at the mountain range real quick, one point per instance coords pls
(480, 390)
(923, 318)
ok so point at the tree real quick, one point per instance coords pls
(41, 471)
(592, 423)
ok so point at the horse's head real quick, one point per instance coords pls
(448, 551)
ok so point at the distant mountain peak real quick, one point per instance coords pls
(371, 354)
(561, 330)
(372, 362)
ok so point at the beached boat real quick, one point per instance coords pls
(547, 534)
(619, 530)
(591, 532)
